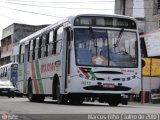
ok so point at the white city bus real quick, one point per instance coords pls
(82, 56)
(9, 72)
(8, 79)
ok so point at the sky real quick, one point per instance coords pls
(38, 12)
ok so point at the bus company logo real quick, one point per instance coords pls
(47, 67)
(4, 116)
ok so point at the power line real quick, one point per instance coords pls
(43, 13)
(10, 18)
(53, 6)
(60, 7)
(69, 7)
(31, 12)
(48, 14)
(111, 1)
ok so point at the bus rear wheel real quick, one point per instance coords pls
(32, 97)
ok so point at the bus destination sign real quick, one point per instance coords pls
(105, 22)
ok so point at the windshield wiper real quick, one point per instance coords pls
(119, 38)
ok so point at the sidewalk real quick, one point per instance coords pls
(144, 104)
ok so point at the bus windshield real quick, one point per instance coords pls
(104, 47)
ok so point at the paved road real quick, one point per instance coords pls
(27, 110)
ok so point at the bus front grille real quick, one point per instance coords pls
(101, 88)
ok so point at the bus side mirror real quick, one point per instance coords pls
(143, 63)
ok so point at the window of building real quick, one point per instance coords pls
(156, 7)
(158, 4)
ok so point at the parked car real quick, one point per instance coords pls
(6, 88)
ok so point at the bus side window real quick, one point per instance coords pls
(6, 72)
(45, 41)
(47, 44)
(0, 72)
(39, 47)
(43, 46)
(50, 47)
(143, 47)
(20, 48)
(58, 42)
(36, 48)
(17, 58)
(31, 50)
(28, 59)
(21, 53)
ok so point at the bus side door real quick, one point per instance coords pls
(66, 57)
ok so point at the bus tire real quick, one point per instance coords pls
(40, 98)
(76, 100)
(113, 103)
(114, 100)
(12, 96)
(31, 96)
(61, 99)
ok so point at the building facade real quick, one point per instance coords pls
(147, 13)
(11, 36)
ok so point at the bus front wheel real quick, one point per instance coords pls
(61, 99)
(114, 100)
(76, 100)
(113, 103)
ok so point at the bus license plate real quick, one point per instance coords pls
(108, 85)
